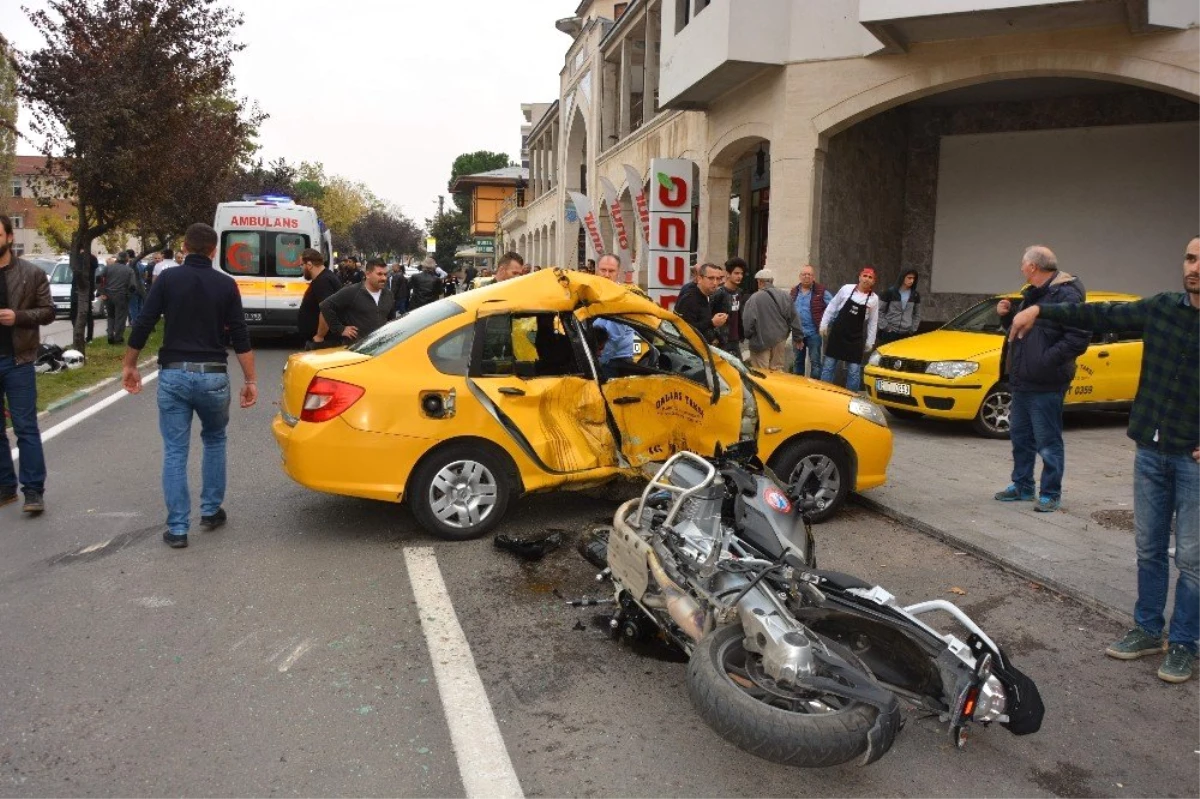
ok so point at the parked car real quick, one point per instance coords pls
(60, 288)
(473, 400)
(954, 372)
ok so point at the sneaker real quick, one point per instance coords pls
(175, 541)
(1047, 505)
(8, 495)
(34, 502)
(1136, 643)
(1177, 665)
(214, 521)
(1013, 494)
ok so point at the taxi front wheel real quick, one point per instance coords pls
(992, 421)
(818, 468)
(460, 492)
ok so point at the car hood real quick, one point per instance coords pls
(944, 345)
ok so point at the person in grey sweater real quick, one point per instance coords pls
(900, 308)
(120, 283)
(767, 319)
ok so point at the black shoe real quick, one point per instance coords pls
(175, 541)
(8, 495)
(211, 523)
(34, 502)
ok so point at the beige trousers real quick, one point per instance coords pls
(776, 358)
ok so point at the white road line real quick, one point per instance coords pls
(67, 424)
(300, 649)
(483, 762)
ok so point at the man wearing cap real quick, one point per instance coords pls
(425, 286)
(849, 327)
(767, 319)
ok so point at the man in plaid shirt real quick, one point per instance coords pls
(1165, 423)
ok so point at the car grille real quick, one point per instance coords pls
(903, 364)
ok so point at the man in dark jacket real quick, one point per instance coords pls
(729, 299)
(900, 309)
(25, 305)
(357, 310)
(120, 284)
(696, 305)
(425, 286)
(1040, 368)
(322, 284)
(398, 285)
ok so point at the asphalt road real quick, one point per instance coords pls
(284, 654)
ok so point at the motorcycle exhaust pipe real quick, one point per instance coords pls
(682, 608)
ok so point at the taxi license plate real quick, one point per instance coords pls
(892, 387)
(253, 317)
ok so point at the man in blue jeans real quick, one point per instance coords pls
(810, 299)
(1165, 423)
(1040, 368)
(25, 304)
(201, 305)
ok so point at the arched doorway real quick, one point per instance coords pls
(576, 179)
(740, 169)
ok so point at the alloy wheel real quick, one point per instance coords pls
(463, 494)
(817, 475)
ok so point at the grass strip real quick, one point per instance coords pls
(103, 361)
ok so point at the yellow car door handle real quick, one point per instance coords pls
(626, 400)
(512, 392)
(1102, 354)
(278, 286)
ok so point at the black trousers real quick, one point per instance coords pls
(118, 314)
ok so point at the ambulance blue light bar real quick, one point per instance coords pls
(268, 199)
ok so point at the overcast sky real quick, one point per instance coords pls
(386, 92)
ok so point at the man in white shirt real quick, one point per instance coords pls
(167, 261)
(849, 326)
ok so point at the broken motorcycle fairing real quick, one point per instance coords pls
(793, 663)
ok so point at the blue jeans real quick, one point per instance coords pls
(179, 394)
(18, 392)
(853, 373)
(1035, 426)
(135, 308)
(812, 349)
(1166, 486)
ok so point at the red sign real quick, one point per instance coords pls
(265, 222)
(670, 228)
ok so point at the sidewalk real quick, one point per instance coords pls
(942, 478)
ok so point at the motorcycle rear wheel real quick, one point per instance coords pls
(796, 727)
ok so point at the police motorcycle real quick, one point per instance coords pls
(792, 663)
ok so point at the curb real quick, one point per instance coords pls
(84, 393)
(1008, 565)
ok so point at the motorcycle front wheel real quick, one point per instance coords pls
(791, 725)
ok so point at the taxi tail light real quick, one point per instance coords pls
(327, 399)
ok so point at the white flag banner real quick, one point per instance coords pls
(583, 208)
(620, 234)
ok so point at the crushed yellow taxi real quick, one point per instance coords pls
(470, 402)
(954, 372)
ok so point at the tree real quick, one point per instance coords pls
(57, 230)
(114, 94)
(451, 229)
(342, 203)
(385, 233)
(8, 118)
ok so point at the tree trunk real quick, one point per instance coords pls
(81, 286)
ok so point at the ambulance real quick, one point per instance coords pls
(260, 240)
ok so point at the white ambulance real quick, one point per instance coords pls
(260, 240)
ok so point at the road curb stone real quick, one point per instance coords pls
(84, 393)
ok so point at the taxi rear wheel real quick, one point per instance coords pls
(992, 421)
(460, 492)
(818, 468)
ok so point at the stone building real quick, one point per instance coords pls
(944, 135)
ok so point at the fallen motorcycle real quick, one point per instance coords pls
(789, 662)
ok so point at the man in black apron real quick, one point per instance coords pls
(849, 325)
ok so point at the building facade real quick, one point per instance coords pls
(943, 135)
(29, 197)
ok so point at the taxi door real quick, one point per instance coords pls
(679, 397)
(529, 371)
(1116, 364)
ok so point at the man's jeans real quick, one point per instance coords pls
(1035, 426)
(853, 373)
(18, 390)
(812, 350)
(179, 394)
(1166, 486)
(135, 308)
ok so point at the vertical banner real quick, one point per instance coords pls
(634, 179)
(583, 208)
(670, 204)
(620, 234)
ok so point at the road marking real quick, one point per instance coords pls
(483, 762)
(300, 649)
(94, 547)
(67, 424)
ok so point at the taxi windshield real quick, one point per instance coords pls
(979, 318)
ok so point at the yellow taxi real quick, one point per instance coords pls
(469, 402)
(954, 372)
